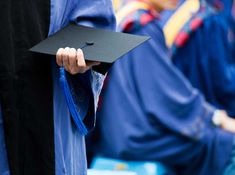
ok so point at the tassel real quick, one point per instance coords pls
(71, 105)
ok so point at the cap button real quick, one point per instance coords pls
(90, 43)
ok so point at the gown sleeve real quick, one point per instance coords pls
(165, 93)
(98, 14)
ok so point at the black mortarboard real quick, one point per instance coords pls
(97, 44)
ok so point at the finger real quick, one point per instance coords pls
(92, 63)
(81, 61)
(65, 58)
(59, 57)
(73, 68)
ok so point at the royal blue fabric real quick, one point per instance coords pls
(227, 8)
(207, 61)
(4, 169)
(149, 111)
(69, 144)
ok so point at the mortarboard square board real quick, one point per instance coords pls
(97, 44)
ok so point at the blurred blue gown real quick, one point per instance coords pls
(207, 59)
(70, 153)
(149, 111)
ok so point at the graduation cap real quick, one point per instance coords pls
(97, 45)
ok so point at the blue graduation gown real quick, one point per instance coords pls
(149, 111)
(206, 60)
(70, 151)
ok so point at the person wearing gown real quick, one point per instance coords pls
(37, 134)
(206, 58)
(148, 111)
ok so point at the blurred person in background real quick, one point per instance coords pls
(150, 112)
(203, 49)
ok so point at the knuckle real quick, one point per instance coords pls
(73, 50)
(79, 53)
(60, 50)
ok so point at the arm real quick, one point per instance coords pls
(86, 13)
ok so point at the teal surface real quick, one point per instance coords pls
(109, 172)
(230, 170)
(146, 168)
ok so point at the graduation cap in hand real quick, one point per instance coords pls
(98, 45)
